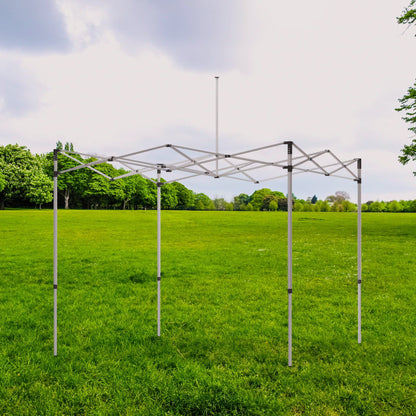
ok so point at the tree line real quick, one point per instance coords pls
(26, 180)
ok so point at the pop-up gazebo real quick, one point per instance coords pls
(256, 165)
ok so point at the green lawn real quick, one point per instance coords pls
(223, 349)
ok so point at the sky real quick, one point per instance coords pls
(116, 76)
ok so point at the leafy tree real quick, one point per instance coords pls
(377, 207)
(323, 206)
(298, 206)
(185, 197)
(412, 206)
(256, 199)
(39, 190)
(348, 206)
(408, 101)
(21, 174)
(229, 206)
(220, 204)
(273, 205)
(203, 201)
(168, 196)
(241, 201)
(394, 206)
(71, 183)
(267, 200)
(2, 182)
(261, 198)
(249, 207)
(282, 204)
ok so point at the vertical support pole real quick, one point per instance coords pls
(359, 246)
(55, 252)
(216, 122)
(289, 248)
(159, 184)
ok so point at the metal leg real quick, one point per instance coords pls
(359, 246)
(55, 253)
(289, 249)
(158, 253)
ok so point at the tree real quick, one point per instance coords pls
(377, 207)
(256, 199)
(2, 182)
(39, 190)
(408, 101)
(185, 197)
(341, 196)
(203, 201)
(261, 198)
(168, 198)
(22, 173)
(273, 205)
(240, 202)
(70, 183)
(394, 206)
(220, 204)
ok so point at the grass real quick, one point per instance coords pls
(223, 349)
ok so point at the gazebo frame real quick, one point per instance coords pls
(240, 166)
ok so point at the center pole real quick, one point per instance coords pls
(289, 248)
(216, 122)
(55, 252)
(159, 184)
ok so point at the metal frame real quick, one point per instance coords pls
(244, 166)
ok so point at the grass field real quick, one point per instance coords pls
(223, 349)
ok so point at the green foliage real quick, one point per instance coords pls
(240, 202)
(26, 179)
(273, 205)
(223, 349)
(2, 182)
(185, 197)
(257, 198)
(202, 202)
(408, 101)
(409, 14)
(23, 177)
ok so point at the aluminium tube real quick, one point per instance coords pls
(216, 124)
(289, 248)
(158, 252)
(55, 252)
(359, 246)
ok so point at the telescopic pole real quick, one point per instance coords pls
(359, 246)
(158, 252)
(55, 252)
(289, 248)
(216, 122)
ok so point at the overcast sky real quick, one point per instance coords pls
(114, 76)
